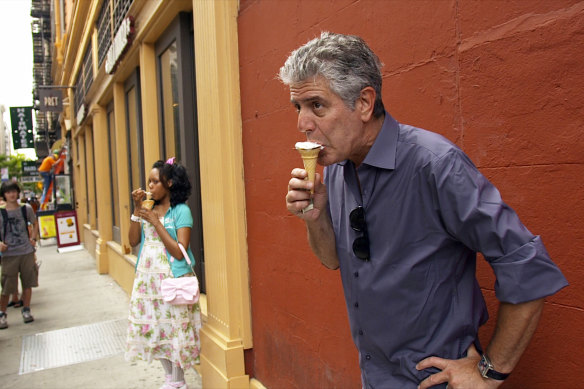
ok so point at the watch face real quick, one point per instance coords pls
(484, 366)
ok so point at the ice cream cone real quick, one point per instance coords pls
(148, 203)
(309, 153)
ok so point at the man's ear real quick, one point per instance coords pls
(366, 103)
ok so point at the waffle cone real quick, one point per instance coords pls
(309, 158)
(147, 204)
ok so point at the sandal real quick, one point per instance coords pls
(17, 304)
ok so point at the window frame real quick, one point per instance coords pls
(181, 31)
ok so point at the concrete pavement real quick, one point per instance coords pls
(72, 299)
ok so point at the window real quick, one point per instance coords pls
(178, 117)
(104, 31)
(113, 166)
(170, 104)
(134, 127)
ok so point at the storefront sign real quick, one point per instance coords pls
(21, 120)
(121, 41)
(51, 100)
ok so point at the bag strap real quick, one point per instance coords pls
(182, 249)
(4, 222)
(25, 217)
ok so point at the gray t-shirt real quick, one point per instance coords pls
(16, 234)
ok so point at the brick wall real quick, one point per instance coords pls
(504, 80)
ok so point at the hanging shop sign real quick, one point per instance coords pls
(80, 114)
(120, 44)
(21, 120)
(50, 100)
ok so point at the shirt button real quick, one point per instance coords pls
(356, 274)
(368, 357)
(356, 305)
(360, 332)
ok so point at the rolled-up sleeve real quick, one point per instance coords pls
(473, 212)
(526, 274)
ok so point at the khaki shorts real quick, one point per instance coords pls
(12, 266)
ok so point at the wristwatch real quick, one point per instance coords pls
(487, 370)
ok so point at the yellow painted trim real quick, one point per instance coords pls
(149, 96)
(121, 268)
(122, 158)
(102, 177)
(90, 175)
(228, 329)
(80, 178)
(255, 384)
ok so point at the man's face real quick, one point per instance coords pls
(326, 120)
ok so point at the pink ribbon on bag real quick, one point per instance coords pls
(182, 290)
(177, 291)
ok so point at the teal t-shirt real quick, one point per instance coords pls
(175, 218)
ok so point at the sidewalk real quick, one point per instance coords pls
(79, 315)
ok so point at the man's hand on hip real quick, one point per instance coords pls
(458, 373)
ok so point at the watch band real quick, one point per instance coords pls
(135, 218)
(487, 370)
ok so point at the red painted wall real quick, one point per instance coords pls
(504, 80)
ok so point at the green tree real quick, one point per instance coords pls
(14, 165)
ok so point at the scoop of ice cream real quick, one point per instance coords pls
(307, 145)
(148, 203)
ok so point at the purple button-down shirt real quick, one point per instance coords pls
(428, 212)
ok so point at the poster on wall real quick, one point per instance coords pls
(67, 231)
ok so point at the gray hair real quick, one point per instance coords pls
(345, 61)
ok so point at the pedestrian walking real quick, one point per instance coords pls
(402, 212)
(18, 245)
(159, 330)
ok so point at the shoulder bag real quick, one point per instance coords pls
(182, 290)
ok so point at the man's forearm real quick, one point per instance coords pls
(516, 324)
(321, 238)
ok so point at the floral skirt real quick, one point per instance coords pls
(156, 329)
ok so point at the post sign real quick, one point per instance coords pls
(29, 172)
(21, 120)
(47, 227)
(67, 231)
(51, 100)
(29, 168)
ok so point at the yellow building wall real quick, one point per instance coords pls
(226, 306)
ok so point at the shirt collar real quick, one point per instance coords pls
(382, 153)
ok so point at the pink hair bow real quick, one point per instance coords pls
(170, 161)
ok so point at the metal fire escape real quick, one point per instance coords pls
(47, 126)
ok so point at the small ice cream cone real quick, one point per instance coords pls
(309, 153)
(148, 203)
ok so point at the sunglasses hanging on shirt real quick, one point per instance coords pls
(360, 244)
